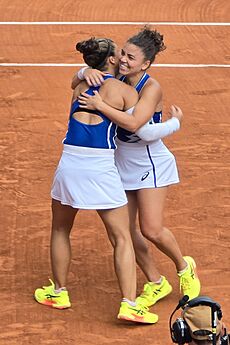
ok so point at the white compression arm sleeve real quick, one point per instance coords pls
(154, 131)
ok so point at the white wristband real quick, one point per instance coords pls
(80, 73)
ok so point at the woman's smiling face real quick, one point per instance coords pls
(132, 60)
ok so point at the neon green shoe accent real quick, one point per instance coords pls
(47, 296)
(189, 281)
(153, 292)
(139, 313)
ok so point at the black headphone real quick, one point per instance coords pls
(180, 332)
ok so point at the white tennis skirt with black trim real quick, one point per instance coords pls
(145, 166)
(87, 178)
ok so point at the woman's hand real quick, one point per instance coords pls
(90, 102)
(94, 77)
(175, 111)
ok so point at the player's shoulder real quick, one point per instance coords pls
(114, 83)
(153, 83)
(152, 87)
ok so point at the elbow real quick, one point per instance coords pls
(129, 128)
(133, 126)
(129, 124)
(73, 85)
(132, 129)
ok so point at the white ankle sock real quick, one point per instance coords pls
(133, 304)
(60, 289)
(184, 270)
(158, 282)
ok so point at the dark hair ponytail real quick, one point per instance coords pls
(150, 41)
(96, 51)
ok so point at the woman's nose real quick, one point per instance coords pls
(123, 58)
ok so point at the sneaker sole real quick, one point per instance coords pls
(52, 305)
(136, 320)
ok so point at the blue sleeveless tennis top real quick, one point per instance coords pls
(101, 135)
(130, 137)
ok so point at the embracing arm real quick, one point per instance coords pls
(93, 77)
(142, 113)
(121, 118)
(154, 131)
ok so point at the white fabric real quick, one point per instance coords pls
(130, 110)
(87, 178)
(80, 73)
(145, 166)
(154, 131)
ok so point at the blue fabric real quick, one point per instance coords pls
(100, 135)
(128, 136)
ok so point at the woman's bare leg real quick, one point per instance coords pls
(143, 252)
(60, 249)
(151, 206)
(116, 222)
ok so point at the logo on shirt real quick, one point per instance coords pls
(145, 176)
(132, 138)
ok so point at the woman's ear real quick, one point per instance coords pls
(146, 65)
(112, 60)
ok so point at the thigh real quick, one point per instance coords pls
(62, 215)
(151, 203)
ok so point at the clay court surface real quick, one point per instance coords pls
(34, 106)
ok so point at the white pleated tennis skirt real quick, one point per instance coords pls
(145, 166)
(87, 178)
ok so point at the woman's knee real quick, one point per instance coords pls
(119, 235)
(61, 229)
(153, 233)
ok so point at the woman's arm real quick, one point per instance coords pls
(143, 111)
(154, 131)
(93, 77)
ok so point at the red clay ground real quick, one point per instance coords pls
(34, 105)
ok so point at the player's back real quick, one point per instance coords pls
(91, 128)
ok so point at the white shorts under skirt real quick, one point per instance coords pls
(145, 166)
(87, 178)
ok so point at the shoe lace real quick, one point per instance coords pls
(150, 290)
(49, 287)
(185, 283)
(143, 296)
(142, 309)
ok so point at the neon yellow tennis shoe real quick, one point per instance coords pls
(47, 296)
(153, 292)
(189, 281)
(138, 313)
